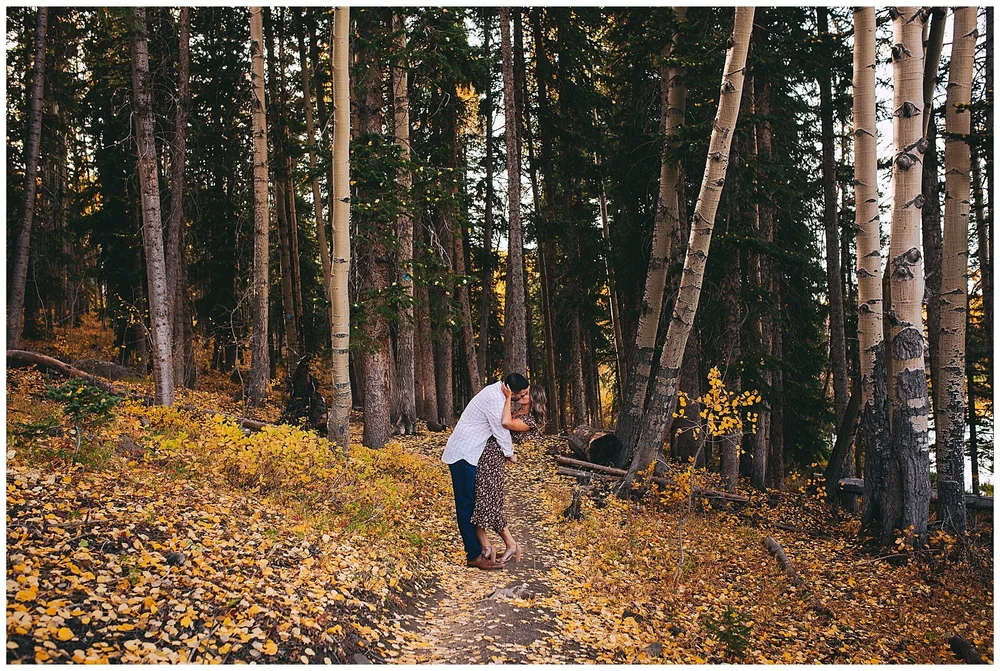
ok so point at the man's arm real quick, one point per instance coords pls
(493, 414)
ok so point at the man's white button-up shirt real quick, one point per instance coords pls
(479, 421)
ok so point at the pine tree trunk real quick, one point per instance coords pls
(874, 433)
(152, 225)
(515, 333)
(372, 255)
(486, 272)
(951, 397)
(673, 97)
(404, 228)
(663, 400)
(930, 213)
(260, 367)
(762, 268)
(426, 385)
(175, 256)
(984, 255)
(838, 351)
(340, 326)
(15, 298)
(307, 98)
(444, 376)
(547, 250)
(578, 397)
(732, 292)
(909, 475)
(292, 340)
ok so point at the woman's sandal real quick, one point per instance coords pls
(511, 552)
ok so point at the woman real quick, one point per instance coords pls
(488, 511)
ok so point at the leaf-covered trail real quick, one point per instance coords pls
(474, 616)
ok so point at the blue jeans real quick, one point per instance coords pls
(463, 481)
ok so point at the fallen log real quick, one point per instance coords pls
(593, 445)
(19, 358)
(857, 486)
(786, 565)
(965, 650)
(23, 358)
(608, 474)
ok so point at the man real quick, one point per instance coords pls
(479, 421)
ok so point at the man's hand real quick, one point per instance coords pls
(512, 458)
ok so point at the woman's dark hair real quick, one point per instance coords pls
(516, 382)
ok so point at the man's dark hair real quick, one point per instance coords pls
(516, 382)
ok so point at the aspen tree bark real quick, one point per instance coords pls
(909, 472)
(338, 427)
(179, 304)
(663, 400)
(405, 366)
(515, 330)
(673, 97)
(15, 302)
(874, 433)
(152, 225)
(260, 365)
(838, 349)
(951, 398)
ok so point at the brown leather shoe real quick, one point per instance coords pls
(484, 564)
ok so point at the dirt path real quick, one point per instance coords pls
(472, 616)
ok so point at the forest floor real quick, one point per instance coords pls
(178, 538)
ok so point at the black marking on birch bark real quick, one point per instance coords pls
(901, 264)
(907, 110)
(720, 182)
(894, 14)
(863, 131)
(864, 309)
(715, 156)
(905, 161)
(893, 319)
(898, 50)
(864, 272)
(907, 344)
(918, 201)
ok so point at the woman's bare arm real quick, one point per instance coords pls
(507, 420)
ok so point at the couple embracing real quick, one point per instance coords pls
(482, 444)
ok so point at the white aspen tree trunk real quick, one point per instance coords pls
(663, 400)
(673, 98)
(340, 326)
(515, 327)
(874, 433)
(405, 359)
(260, 365)
(909, 473)
(152, 224)
(15, 309)
(952, 401)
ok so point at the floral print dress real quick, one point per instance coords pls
(491, 492)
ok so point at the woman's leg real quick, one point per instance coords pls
(512, 549)
(484, 541)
